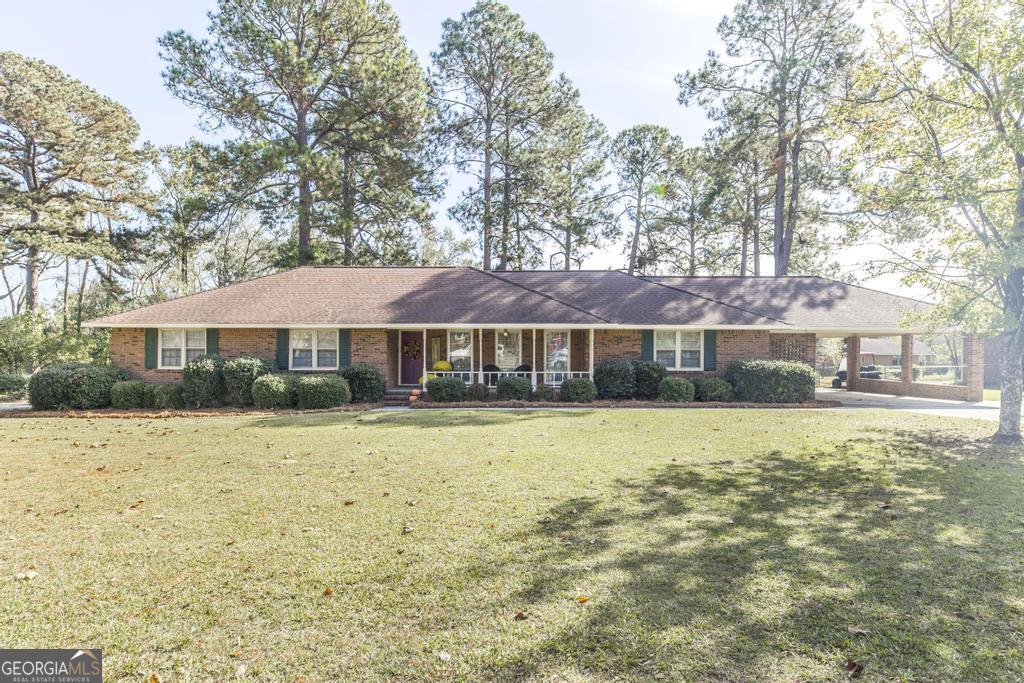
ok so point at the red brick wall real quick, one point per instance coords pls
(615, 344)
(802, 348)
(731, 345)
(128, 352)
(236, 342)
(370, 347)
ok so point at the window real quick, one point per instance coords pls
(179, 346)
(556, 350)
(507, 349)
(460, 349)
(313, 350)
(679, 349)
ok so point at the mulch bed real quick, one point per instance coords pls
(426, 405)
(160, 414)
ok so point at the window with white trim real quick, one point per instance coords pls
(679, 349)
(460, 349)
(313, 350)
(177, 346)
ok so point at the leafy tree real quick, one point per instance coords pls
(491, 82)
(789, 58)
(574, 199)
(938, 142)
(641, 158)
(70, 169)
(330, 107)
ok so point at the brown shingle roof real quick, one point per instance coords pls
(468, 296)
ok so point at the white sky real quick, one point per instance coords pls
(621, 54)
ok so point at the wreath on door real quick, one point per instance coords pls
(411, 350)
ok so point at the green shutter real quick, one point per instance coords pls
(710, 349)
(282, 349)
(647, 345)
(150, 354)
(212, 341)
(344, 348)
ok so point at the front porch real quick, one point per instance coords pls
(485, 355)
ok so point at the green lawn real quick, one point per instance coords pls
(992, 394)
(680, 545)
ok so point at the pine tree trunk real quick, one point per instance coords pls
(781, 267)
(636, 234)
(757, 220)
(568, 249)
(488, 155)
(1011, 387)
(32, 278)
(348, 210)
(305, 194)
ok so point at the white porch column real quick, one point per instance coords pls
(590, 355)
(533, 350)
(480, 336)
(423, 355)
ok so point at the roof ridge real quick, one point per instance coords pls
(707, 298)
(546, 296)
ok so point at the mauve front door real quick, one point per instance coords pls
(410, 351)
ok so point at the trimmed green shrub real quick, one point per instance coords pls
(545, 393)
(163, 397)
(675, 390)
(239, 374)
(772, 381)
(647, 376)
(274, 391)
(365, 382)
(202, 382)
(614, 378)
(578, 390)
(446, 389)
(477, 392)
(73, 385)
(513, 389)
(712, 389)
(129, 394)
(12, 384)
(321, 391)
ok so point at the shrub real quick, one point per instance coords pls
(477, 392)
(545, 393)
(74, 385)
(513, 389)
(129, 394)
(579, 390)
(365, 382)
(202, 382)
(239, 374)
(712, 389)
(614, 378)
(647, 376)
(13, 384)
(675, 390)
(163, 397)
(446, 389)
(772, 381)
(441, 366)
(274, 391)
(321, 391)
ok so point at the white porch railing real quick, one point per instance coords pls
(490, 377)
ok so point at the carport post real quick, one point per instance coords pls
(907, 360)
(852, 363)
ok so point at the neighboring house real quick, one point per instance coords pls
(548, 325)
(888, 351)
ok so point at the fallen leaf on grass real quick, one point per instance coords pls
(583, 599)
(853, 669)
(25, 576)
(350, 502)
(854, 631)
(443, 656)
(406, 530)
(520, 616)
(328, 592)
(151, 678)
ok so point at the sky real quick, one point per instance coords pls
(621, 54)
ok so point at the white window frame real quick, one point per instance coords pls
(183, 348)
(568, 349)
(678, 350)
(316, 347)
(472, 351)
(511, 330)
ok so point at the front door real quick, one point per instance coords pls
(410, 354)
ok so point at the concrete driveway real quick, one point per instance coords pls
(981, 410)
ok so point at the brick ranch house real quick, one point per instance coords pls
(548, 325)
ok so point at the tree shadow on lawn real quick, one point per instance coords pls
(899, 551)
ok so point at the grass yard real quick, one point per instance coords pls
(679, 545)
(992, 394)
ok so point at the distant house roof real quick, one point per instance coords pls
(888, 346)
(461, 296)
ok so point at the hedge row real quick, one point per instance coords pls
(12, 384)
(73, 386)
(454, 390)
(133, 394)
